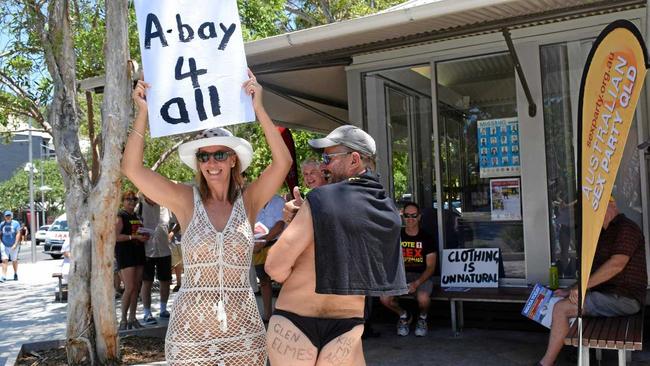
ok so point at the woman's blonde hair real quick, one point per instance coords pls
(235, 185)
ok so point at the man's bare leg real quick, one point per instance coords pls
(5, 264)
(391, 303)
(344, 350)
(562, 312)
(287, 345)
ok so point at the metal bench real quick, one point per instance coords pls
(456, 299)
(623, 333)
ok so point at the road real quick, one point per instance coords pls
(25, 255)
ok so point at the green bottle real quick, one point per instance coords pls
(554, 278)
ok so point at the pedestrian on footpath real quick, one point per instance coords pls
(10, 247)
(129, 251)
(177, 253)
(158, 257)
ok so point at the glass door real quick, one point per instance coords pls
(479, 157)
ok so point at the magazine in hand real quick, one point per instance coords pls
(539, 306)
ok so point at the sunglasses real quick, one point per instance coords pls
(204, 156)
(410, 216)
(327, 158)
(132, 199)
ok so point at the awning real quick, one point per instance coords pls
(308, 65)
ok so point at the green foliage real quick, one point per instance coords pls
(14, 193)
(309, 13)
(262, 154)
(262, 18)
(21, 58)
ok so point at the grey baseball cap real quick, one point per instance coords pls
(348, 136)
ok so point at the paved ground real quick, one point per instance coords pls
(28, 313)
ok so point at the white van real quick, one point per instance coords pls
(55, 237)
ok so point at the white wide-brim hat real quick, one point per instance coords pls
(216, 137)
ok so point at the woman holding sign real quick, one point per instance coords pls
(215, 319)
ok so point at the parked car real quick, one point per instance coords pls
(40, 234)
(55, 237)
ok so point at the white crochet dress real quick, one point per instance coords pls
(215, 320)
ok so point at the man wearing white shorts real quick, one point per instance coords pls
(10, 247)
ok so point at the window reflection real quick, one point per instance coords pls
(479, 146)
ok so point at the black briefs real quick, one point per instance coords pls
(320, 331)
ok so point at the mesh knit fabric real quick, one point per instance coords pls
(215, 319)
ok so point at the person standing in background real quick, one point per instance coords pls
(177, 253)
(158, 257)
(10, 247)
(129, 251)
(269, 223)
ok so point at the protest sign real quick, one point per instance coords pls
(193, 57)
(470, 268)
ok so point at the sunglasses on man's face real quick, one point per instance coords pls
(410, 216)
(204, 156)
(131, 199)
(327, 158)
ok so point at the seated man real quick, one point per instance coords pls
(419, 251)
(618, 281)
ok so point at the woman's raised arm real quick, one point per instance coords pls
(160, 189)
(261, 190)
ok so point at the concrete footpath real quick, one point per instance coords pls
(28, 313)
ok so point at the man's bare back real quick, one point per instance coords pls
(309, 328)
(299, 293)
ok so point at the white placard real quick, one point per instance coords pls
(193, 57)
(470, 268)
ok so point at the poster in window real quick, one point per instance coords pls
(505, 198)
(498, 147)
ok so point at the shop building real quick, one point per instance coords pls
(473, 104)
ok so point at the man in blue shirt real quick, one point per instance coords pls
(10, 247)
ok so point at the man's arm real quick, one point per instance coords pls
(428, 272)
(275, 231)
(608, 270)
(293, 241)
(18, 239)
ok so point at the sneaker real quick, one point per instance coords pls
(2, 279)
(403, 326)
(421, 328)
(149, 320)
(176, 288)
(164, 314)
(15, 276)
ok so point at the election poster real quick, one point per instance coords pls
(611, 85)
(193, 58)
(505, 198)
(470, 268)
(498, 147)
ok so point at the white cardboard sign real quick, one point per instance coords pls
(193, 57)
(470, 268)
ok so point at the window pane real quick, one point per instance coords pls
(557, 63)
(397, 117)
(560, 167)
(402, 98)
(472, 92)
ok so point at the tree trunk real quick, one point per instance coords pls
(105, 199)
(62, 115)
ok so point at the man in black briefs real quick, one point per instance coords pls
(342, 245)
